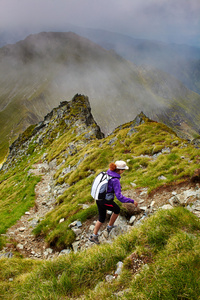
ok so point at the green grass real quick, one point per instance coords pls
(169, 238)
(8, 132)
(176, 164)
(17, 196)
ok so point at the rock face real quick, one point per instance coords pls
(75, 114)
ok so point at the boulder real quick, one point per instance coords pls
(175, 201)
(130, 209)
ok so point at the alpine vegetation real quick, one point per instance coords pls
(48, 213)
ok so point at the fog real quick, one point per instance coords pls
(46, 69)
(167, 20)
(115, 89)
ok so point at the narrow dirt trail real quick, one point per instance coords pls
(29, 246)
(21, 232)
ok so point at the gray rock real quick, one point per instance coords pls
(91, 228)
(166, 206)
(75, 246)
(120, 294)
(79, 224)
(162, 177)
(21, 229)
(65, 251)
(144, 208)
(20, 247)
(117, 231)
(77, 231)
(175, 201)
(109, 278)
(112, 141)
(166, 150)
(34, 223)
(152, 204)
(85, 206)
(119, 268)
(140, 201)
(131, 131)
(72, 224)
(7, 255)
(175, 143)
(174, 193)
(132, 220)
(49, 250)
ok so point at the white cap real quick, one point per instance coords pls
(121, 165)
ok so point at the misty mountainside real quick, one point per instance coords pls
(158, 252)
(36, 74)
(181, 61)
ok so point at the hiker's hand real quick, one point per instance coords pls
(136, 204)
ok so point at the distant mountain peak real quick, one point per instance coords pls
(38, 73)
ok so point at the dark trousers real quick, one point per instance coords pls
(103, 206)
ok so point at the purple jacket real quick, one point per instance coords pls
(115, 187)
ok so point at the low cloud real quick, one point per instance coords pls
(167, 20)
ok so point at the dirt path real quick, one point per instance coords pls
(28, 245)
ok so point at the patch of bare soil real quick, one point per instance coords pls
(160, 195)
(135, 262)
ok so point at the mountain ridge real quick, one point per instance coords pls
(54, 162)
(118, 90)
(79, 108)
(179, 60)
(66, 136)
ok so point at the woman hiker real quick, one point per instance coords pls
(114, 187)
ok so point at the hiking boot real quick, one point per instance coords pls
(109, 228)
(94, 239)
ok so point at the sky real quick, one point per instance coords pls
(176, 21)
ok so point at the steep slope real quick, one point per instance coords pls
(160, 255)
(177, 60)
(181, 61)
(46, 68)
(70, 142)
(71, 126)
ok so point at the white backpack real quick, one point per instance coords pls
(100, 185)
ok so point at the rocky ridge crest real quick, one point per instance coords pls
(74, 115)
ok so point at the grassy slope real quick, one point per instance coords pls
(136, 147)
(149, 139)
(168, 241)
(68, 275)
(17, 194)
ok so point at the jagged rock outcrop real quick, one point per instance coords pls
(73, 115)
